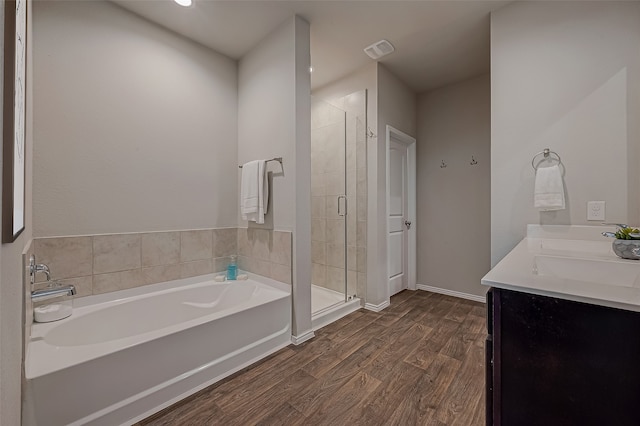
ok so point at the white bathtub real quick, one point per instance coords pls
(124, 355)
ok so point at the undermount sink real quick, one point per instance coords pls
(572, 248)
(605, 272)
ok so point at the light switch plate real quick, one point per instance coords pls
(596, 210)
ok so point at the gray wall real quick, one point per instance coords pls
(453, 203)
(564, 75)
(274, 120)
(396, 107)
(135, 127)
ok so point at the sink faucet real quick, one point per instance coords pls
(54, 289)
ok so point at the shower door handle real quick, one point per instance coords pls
(340, 213)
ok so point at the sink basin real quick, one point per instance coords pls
(573, 248)
(605, 272)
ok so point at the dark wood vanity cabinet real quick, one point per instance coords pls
(555, 362)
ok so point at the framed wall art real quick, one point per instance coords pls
(14, 114)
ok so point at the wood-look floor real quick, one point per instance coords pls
(418, 362)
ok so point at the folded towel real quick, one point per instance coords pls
(254, 191)
(549, 189)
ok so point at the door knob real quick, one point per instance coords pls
(407, 224)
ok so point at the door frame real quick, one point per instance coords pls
(410, 143)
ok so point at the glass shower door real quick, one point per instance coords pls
(328, 205)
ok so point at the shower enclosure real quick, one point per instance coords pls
(338, 202)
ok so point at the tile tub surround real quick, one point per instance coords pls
(104, 263)
(266, 252)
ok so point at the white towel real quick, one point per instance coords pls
(549, 189)
(254, 191)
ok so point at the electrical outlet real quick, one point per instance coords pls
(595, 210)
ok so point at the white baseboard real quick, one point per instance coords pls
(297, 340)
(377, 308)
(453, 293)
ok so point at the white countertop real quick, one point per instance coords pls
(569, 262)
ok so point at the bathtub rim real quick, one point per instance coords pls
(62, 357)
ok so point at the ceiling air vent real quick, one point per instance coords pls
(379, 49)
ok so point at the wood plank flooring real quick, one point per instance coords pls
(418, 362)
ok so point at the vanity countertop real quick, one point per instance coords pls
(572, 263)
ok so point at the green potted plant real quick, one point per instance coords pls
(627, 243)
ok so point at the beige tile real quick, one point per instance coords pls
(336, 158)
(318, 160)
(160, 248)
(332, 206)
(244, 264)
(244, 249)
(317, 185)
(361, 290)
(281, 273)
(351, 185)
(335, 231)
(318, 274)
(225, 242)
(361, 256)
(281, 248)
(335, 183)
(335, 255)
(260, 243)
(318, 207)
(361, 155)
(161, 273)
(351, 258)
(351, 155)
(352, 282)
(196, 245)
(361, 233)
(351, 230)
(318, 229)
(361, 207)
(106, 283)
(257, 266)
(67, 257)
(118, 252)
(83, 285)
(319, 252)
(220, 264)
(335, 279)
(195, 268)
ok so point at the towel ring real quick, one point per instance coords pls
(546, 153)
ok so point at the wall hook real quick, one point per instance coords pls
(370, 133)
(473, 161)
(443, 164)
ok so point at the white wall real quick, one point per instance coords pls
(396, 107)
(135, 126)
(11, 274)
(564, 75)
(274, 120)
(453, 203)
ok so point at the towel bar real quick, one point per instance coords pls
(278, 159)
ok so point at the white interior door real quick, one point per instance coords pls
(397, 221)
(401, 211)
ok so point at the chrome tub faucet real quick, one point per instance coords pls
(54, 289)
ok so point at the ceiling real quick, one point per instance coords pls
(437, 42)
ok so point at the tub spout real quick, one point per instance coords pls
(53, 291)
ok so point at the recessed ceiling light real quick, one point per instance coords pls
(310, 69)
(185, 3)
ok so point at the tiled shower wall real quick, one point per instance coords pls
(327, 182)
(104, 263)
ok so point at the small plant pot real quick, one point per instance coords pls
(627, 249)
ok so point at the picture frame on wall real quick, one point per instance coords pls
(14, 119)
